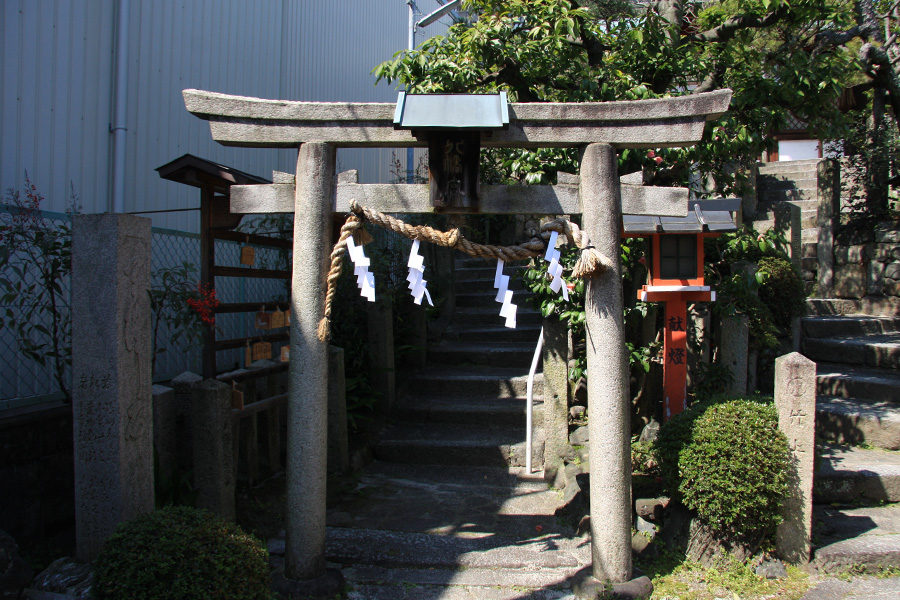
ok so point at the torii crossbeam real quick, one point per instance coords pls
(313, 194)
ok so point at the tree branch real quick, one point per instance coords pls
(734, 25)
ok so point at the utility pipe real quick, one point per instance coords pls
(411, 43)
(117, 128)
(530, 402)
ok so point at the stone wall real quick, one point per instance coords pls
(867, 262)
(37, 494)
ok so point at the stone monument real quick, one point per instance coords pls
(111, 381)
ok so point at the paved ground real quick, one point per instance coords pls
(860, 588)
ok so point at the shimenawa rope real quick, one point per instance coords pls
(591, 262)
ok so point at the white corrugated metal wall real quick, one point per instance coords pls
(57, 59)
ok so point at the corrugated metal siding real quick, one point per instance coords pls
(57, 65)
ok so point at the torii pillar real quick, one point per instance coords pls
(609, 406)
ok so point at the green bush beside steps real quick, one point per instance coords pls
(181, 553)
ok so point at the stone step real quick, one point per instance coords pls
(859, 539)
(517, 354)
(790, 195)
(848, 474)
(487, 273)
(380, 583)
(788, 165)
(458, 445)
(857, 422)
(490, 315)
(484, 263)
(858, 382)
(469, 411)
(772, 181)
(473, 286)
(875, 350)
(488, 298)
(767, 219)
(349, 546)
(808, 235)
(831, 306)
(835, 326)
(495, 334)
(475, 381)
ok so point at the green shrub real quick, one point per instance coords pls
(728, 462)
(781, 290)
(179, 553)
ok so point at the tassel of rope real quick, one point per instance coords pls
(591, 262)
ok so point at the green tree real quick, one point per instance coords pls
(583, 50)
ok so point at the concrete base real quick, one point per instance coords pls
(586, 586)
(327, 586)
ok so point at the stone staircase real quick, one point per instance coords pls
(446, 510)
(793, 181)
(467, 407)
(858, 429)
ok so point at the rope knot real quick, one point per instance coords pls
(453, 237)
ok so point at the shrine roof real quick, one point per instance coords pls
(703, 216)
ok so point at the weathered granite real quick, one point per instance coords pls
(338, 441)
(111, 380)
(609, 403)
(850, 281)
(493, 199)
(214, 472)
(795, 400)
(556, 393)
(307, 412)
(733, 348)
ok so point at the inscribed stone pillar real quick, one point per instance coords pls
(608, 400)
(111, 380)
(734, 336)
(556, 394)
(795, 400)
(307, 414)
(338, 440)
(829, 207)
(214, 469)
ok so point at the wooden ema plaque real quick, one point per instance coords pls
(276, 321)
(262, 351)
(285, 354)
(263, 320)
(237, 397)
(248, 255)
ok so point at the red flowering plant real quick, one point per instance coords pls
(35, 264)
(181, 309)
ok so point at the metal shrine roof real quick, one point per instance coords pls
(703, 215)
(451, 111)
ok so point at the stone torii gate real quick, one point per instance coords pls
(314, 193)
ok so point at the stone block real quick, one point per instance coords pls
(891, 288)
(734, 350)
(895, 253)
(850, 281)
(892, 270)
(165, 436)
(556, 391)
(850, 255)
(880, 252)
(795, 400)
(111, 382)
(887, 236)
(875, 281)
(214, 469)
